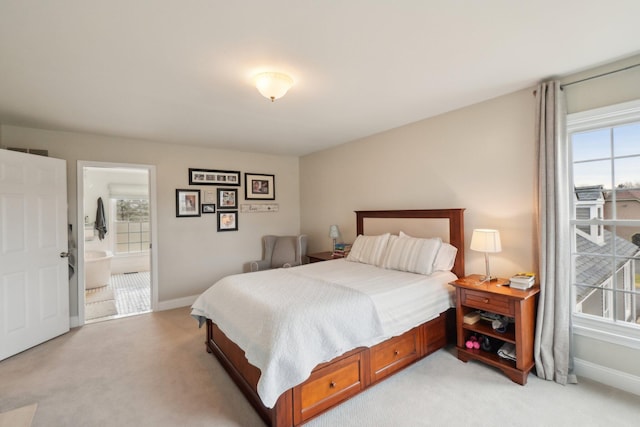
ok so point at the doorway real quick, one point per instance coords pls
(116, 217)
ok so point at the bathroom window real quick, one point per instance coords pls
(132, 226)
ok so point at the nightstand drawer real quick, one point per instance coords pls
(494, 303)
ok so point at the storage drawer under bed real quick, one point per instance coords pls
(329, 385)
(394, 354)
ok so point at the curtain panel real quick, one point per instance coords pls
(552, 348)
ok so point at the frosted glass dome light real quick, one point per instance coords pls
(273, 85)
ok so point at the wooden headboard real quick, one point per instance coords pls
(447, 224)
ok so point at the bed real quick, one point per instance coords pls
(329, 363)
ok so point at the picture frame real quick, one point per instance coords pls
(227, 220)
(213, 177)
(208, 208)
(258, 186)
(227, 198)
(187, 203)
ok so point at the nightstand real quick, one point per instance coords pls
(321, 256)
(498, 298)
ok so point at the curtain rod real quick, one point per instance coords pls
(599, 75)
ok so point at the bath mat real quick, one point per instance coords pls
(21, 417)
(98, 294)
(100, 309)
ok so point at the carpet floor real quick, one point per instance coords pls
(153, 370)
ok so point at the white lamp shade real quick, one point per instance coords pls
(273, 85)
(485, 240)
(334, 232)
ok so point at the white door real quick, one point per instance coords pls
(34, 274)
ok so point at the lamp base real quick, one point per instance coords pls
(487, 279)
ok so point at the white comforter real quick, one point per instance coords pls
(289, 320)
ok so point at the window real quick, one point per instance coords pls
(605, 171)
(131, 225)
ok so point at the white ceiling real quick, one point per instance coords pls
(180, 71)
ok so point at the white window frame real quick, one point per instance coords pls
(114, 223)
(620, 333)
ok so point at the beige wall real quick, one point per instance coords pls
(192, 255)
(480, 158)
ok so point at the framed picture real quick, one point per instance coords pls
(213, 177)
(227, 220)
(259, 186)
(227, 198)
(208, 208)
(187, 203)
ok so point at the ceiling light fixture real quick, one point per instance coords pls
(273, 85)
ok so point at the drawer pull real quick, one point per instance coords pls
(486, 300)
(332, 384)
(396, 352)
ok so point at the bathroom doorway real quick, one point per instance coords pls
(116, 210)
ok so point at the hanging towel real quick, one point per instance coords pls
(101, 220)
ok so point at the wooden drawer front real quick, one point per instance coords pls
(435, 334)
(328, 386)
(393, 354)
(499, 304)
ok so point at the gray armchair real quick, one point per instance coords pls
(281, 251)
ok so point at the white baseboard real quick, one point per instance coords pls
(177, 303)
(608, 376)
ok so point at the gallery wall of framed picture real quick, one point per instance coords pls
(258, 186)
(227, 198)
(224, 202)
(227, 220)
(187, 202)
(213, 177)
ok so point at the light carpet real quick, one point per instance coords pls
(100, 309)
(152, 370)
(20, 417)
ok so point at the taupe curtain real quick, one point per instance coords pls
(552, 350)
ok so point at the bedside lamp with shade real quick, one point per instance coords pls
(334, 233)
(487, 241)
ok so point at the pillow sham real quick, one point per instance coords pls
(445, 258)
(368, 249)
(411, 254)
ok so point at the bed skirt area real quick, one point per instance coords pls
(336, 381)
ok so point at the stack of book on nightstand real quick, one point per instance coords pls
(341, 250)
(522, 280)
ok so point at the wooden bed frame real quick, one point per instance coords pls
(345, 376)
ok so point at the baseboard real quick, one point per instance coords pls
(611, 377)
(177, 303)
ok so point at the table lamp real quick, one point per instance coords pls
(334, 233)
(487, 241)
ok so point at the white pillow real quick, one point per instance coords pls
(368, 249)
(411, 254)
(446, 257)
